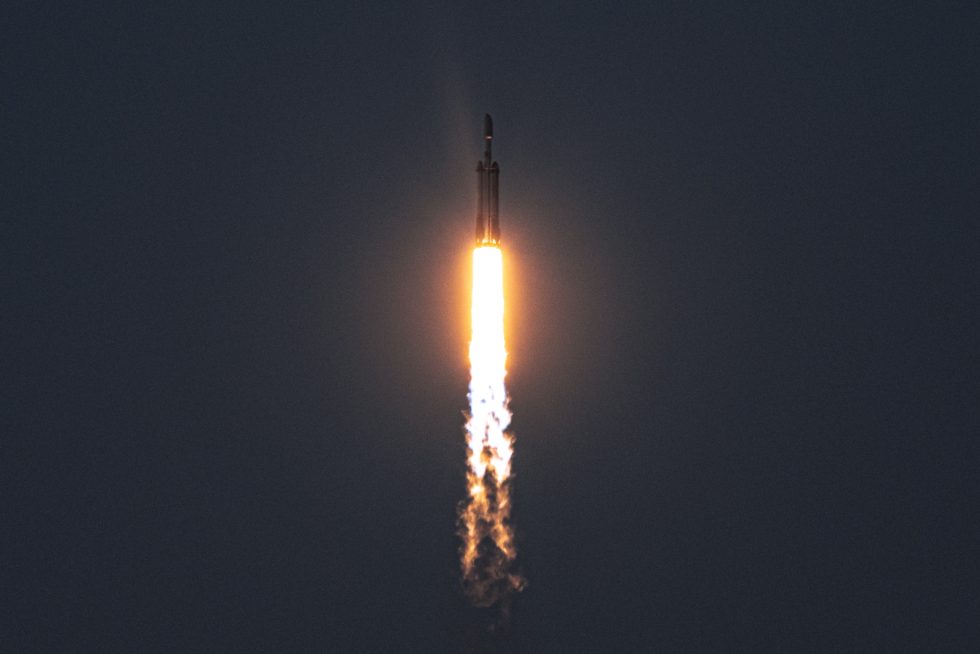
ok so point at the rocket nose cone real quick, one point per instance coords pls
(487, 126)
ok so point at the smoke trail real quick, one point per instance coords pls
(488, 550)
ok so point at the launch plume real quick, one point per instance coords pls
(488, 550)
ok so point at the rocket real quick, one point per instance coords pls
(487, 220)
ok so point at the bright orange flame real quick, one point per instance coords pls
(488, 540)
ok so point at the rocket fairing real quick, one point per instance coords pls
(487, 219)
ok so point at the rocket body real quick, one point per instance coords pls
(487, 217)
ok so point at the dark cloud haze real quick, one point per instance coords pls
(741, 250)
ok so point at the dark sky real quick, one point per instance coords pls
(741, 251)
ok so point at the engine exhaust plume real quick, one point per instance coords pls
(488, 550)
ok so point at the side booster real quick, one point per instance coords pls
(487, 219)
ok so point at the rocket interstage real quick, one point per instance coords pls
(488, 550)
